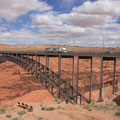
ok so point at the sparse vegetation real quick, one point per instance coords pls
(91, 106)
(8, 116)
(40, 118)
(21, 113)
(48, 108)
(100, 100)
(58, 101)
(59, 107)
(2, 110)
(15, 118)
(117, 113)
(30, 109)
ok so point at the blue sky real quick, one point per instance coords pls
(60, 22)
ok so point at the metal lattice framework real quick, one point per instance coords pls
(56, 86)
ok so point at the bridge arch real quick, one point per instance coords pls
(46, 77)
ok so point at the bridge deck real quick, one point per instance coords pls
(63, 54)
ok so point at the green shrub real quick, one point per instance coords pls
(40, 119)
(21, 113)
(58, 101)
(101, 107)
(100, 100)
(48, 108)
(89, 107)
(8, 116)
(15, 118)
(59, 107)
(111, 106)
(2, 110)
(117, 113)
(30, 110)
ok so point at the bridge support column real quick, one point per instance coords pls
(27, 61)
(114, 79)
(39, 59)
(101, 79)
(73, 75)
(21, 58)
(77, 79)
(27, 57)
(45, 68)
(21, 55)
(48, 62)
(36, 59)
(36, 64)
(32, 57)
(59, 73)
(91, 78)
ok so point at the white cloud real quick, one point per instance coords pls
(94, 14)
(65, 36)
(84, 20)
(81, 27)
(11, 9)
(46, 19)
(50, 24)
(100, 7)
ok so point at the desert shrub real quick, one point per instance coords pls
(40, 119)
(15, 118)
(107, 107)
(8, 116)
(48, 108)
(30, 109)
(58, 101)
(100, 100)
(21, 113)
(2, 110)
(117, 113)
(12, 109)
(101, 107)
(111, 107)
(89, 107)
(59, 107)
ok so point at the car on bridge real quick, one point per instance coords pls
(56, 50)
(108, 52)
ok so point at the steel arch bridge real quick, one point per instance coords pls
(56, 86)
(53, 82)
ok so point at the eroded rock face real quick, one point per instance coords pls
(117, 100)
(15, 82)
(16, 72)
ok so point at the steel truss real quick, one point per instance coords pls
(48, 78)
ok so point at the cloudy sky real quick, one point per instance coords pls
(85, 23)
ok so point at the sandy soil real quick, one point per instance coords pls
(62, 111)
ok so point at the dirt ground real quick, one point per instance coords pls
(60, 111)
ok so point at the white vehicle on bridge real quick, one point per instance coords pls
(108, 52)
(56, 50)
